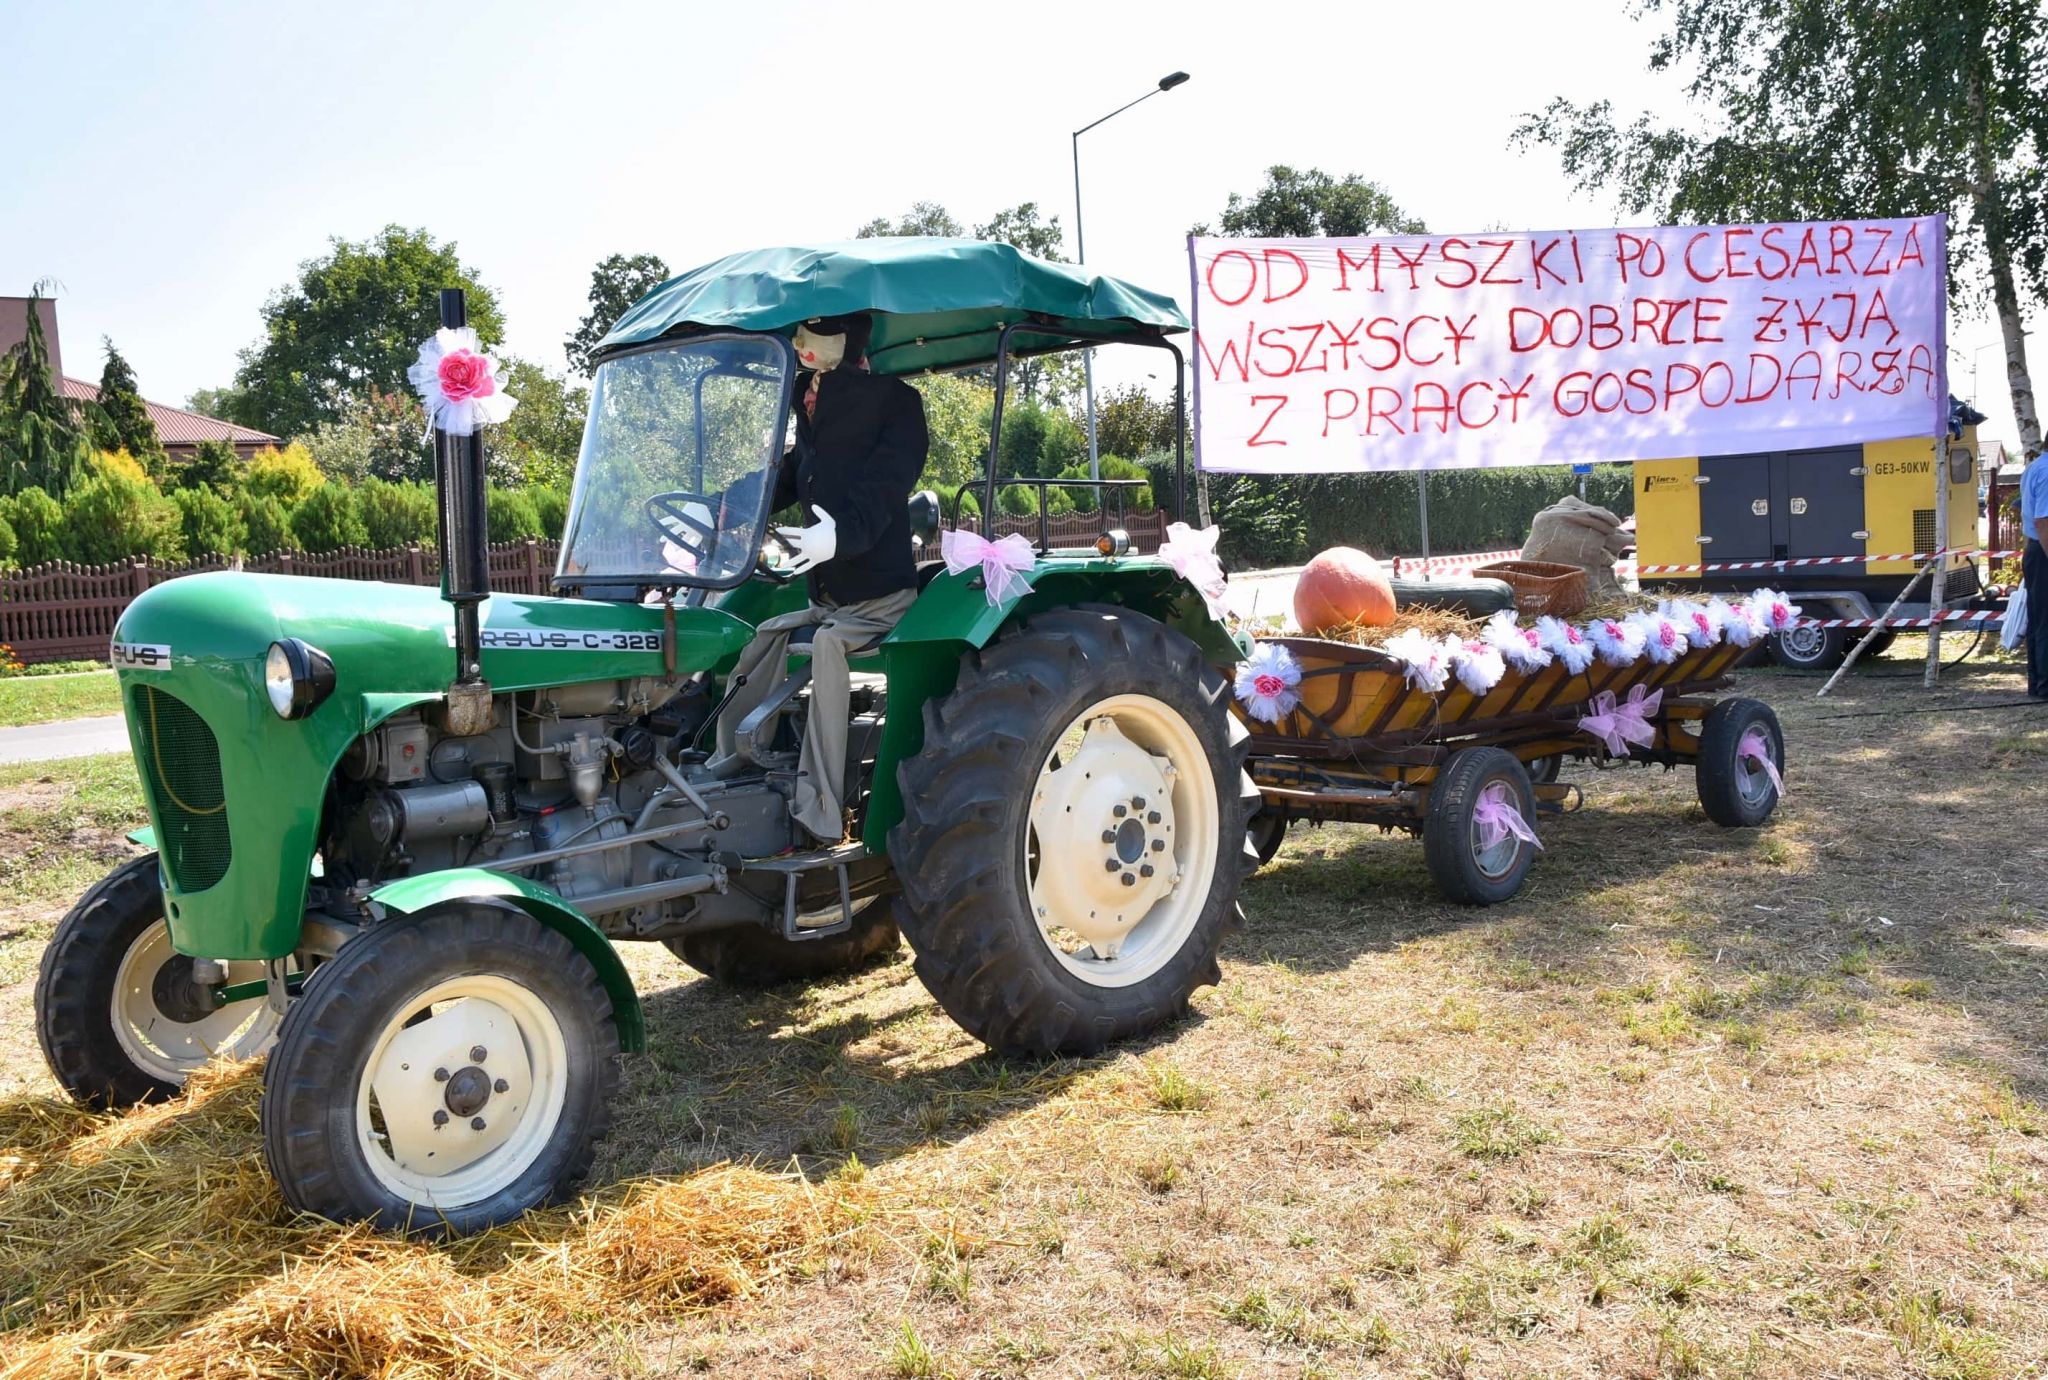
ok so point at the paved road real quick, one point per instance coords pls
(1261, 594)
(68, 738)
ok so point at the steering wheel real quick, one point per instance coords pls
(672, 513)
(769, 532)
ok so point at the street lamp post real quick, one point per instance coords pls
(1166, 83)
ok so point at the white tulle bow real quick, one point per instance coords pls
(1003, 563)
(1192, 554)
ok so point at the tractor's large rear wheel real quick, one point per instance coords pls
(1074, 833)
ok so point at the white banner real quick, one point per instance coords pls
(1462, 351)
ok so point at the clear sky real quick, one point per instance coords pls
(170, 165)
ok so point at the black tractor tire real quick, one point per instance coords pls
(1267, 832)
(77, 1008)
(377, 985)
(1450, 833)
(960, 852)
(1734, 795)
(1810, 649)
(752, 956)
(75, 989)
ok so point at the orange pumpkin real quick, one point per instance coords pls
(1342, 586)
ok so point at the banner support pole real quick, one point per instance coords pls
(1422, 513)
(1937, 591)
(1871, 635)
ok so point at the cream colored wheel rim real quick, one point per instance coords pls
(169, 1049)
(1121, 851)
(462, 1091)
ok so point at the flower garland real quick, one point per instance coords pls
(1520, 647)
(1565, 642)
(1664, 634)
(1702, 622)
(1425, 660)
(1618, 641)
(1479, 665)
(1664, 638)
(1266, 682)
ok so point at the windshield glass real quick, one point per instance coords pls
(670, 485)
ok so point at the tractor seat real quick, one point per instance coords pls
(865, 665)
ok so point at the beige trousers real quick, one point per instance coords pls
(842, 630)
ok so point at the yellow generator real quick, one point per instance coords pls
(1875, 499)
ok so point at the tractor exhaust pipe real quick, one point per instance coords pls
(465, 553)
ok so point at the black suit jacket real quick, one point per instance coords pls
(859, 460)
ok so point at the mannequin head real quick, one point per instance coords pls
(824, 343)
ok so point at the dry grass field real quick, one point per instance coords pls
(1697, 1103)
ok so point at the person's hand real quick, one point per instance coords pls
(812, 545)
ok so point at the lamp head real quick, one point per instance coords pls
(1171, 80)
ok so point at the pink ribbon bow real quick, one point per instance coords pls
(1618, 725)
(1192, 554)
(1497, 816)
(1755, 747)
(1003, 563)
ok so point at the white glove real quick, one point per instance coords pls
(812, 545)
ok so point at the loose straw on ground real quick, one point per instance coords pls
(155, 1245)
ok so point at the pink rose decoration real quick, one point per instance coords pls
(1268, 685)
(465, 375)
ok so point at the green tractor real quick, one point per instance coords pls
(407, 885)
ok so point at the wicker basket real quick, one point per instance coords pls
(1540, 586)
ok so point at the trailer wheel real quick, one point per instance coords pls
(1074, 832)
(1545, 770)
(753, 956)
(1735, 790)
(445, 1072)
(117, 1013)
(1807, 648)
(1267, 832)
(1471, 862)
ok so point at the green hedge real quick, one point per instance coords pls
(1283, 520)
(111, 517)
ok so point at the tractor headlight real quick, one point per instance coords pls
(298, 676)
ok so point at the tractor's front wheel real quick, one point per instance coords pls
(119, 1016)
(445, 1072)
(1074, 833)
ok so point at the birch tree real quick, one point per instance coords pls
(1823, 109)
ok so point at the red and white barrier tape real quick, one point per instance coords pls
(1429, 565)
(1797, 561)
(1985, 616)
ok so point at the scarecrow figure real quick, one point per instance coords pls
(860, 447)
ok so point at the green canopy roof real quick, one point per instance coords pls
(938, 303)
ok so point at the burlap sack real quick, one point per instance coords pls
(1572, 531)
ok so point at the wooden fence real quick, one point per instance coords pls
(64, 612)
(67, 612)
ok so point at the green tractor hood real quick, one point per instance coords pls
(235, 791)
